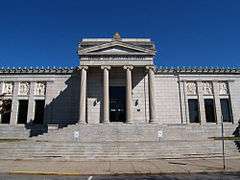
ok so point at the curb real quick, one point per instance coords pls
(116, 174)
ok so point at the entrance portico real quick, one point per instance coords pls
(127, 55)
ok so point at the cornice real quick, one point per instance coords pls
(37, 70)
(197, 70)
(161, 70)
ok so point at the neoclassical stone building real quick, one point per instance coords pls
(117, 94)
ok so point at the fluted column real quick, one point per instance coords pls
(105, 93)
(128, 93)
(151, 90)
(83, 95)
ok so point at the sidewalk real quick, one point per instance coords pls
(96, 167)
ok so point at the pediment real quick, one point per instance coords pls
(116, 47)
(116, 50)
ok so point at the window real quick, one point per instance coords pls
(226, 110)
(7, 105)
(22, 111)
(193, 110)
(39, 111)
(210, 110)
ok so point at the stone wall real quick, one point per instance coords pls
(62, 95)
(172, 96)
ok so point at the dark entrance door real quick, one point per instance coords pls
(117, 104)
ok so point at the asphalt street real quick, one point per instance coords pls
(213, 176)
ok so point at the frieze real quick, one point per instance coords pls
(8, 88)
(191, 88)
(207, 88)
(24, 88)
(223, 88)
(40, 88)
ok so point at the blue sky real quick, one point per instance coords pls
(186, 32)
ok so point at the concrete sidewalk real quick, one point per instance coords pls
(117, 167)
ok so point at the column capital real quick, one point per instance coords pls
(150, 68)
(83, 67)
(106, 67)
(128, 67)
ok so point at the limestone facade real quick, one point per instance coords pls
(82, 95)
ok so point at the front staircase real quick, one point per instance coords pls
(117, 141)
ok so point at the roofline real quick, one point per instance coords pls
(197, 70)
(110, 39)
(161, 70)
(36, 70)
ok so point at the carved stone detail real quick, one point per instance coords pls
(207, 88)
(128, 67)
(40, 89)
(23, 88)
(223, 88)
(191, 88)
(8, 88)
(106, 67)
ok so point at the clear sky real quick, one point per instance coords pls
(186, 32)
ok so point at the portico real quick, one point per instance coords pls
(126, 55)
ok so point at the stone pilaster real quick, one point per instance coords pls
(201, 103)
(83, 95)
(106, 93)
(31, 103)
(14, 110)
(151, 94)
(217, 102)
(185, 104)
(128, 93)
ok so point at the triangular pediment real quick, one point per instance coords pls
(116, 47)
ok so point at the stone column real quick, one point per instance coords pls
(14, 110)
(31, 103)
(83, 95)
(151, 90)
(105, 93)
(128, 93)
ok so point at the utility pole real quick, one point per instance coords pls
(223, 145)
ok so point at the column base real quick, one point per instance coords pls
(153, 122)
(81, 123)
(128, 122)
(108, 122)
